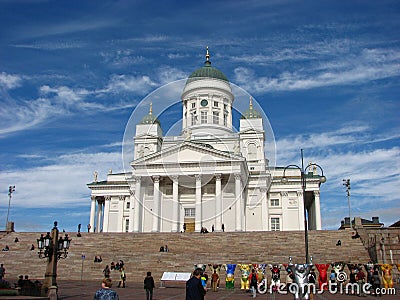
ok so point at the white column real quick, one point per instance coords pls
(238, 203)
(137, 205)
(99, 214)
(131, 210)
(106, 213)
(120, 222)
(156, 204)
(317, 206)
(301, 209)
(92, 212)
(175, 204)
(198, 207)
(218, 203)
(264, 209)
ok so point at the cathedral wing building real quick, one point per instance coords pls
(209, 177)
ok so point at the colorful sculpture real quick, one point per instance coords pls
(300, 272)
(262, 286)
(387, 276)
(338, 267)
(217, 269)
(244, 277)
(275, 276)
(200, 266)
(369, 268)
(230, 275)
(323, 276)
(398, 267)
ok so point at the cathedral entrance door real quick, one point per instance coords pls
(189, 224)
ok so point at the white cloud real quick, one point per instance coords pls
(127, 83)
(9, 81)
(60, 183)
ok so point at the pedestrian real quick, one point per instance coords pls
(122, 277)
(214, 281)
(2, 271)
(253, 282)
(361, 281)
(149, 286)
(194, 288)
(88, 227)
(106, 293)
(212, 228)
(223, 227)
(184, 227)
(107, 272)
(311, 280)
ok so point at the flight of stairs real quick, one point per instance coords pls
(140, 252)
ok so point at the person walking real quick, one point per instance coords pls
(106, 293)
(194, 288)
(149, 286)
(214, 281)
(107, 272)
(253, 278)
(2, 271)
(122, 277)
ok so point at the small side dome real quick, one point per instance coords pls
(251, 113)
(150, 118)
(207, 72)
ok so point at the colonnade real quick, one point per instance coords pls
(136, 213)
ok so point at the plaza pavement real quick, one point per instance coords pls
(85, 290)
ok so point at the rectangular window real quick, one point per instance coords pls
(128, 205)
(194, 105)
(225, 119)
(275, 224)
(215, 104)
(274, 202)
(190, 212)
(127, 225)
(226, 106)
(203, 118)
(193, 119)
(215, 117)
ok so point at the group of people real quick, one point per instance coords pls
(164, 248)
(119, 266)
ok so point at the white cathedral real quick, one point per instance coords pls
(207, 177)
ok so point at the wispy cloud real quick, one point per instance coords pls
(8, 81)
(368, 65)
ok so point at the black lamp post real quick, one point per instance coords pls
(322, 179)
(11, 189)
(54, 248)
(346, 183)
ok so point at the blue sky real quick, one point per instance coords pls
(326, 74)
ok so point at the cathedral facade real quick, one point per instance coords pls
(209, 176)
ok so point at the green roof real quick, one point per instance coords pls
(150, 118)
(207, 72)
(251, 113)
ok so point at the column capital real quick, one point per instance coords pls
(317, 193)
(263, 189)
(107, 198)
(238, 176)
(300, 193)
(138, 179)
(131, 192)
(284, 194)
(198, 177)
(92, 198)
(121, 198)
(156, 179)
(218, 176)
(175, 177)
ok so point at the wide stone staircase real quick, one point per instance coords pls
(140, 252)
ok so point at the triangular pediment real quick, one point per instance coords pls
(188, 152)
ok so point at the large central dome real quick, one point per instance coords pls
(207, 72)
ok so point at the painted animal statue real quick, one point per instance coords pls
(398, 267)
(369, 268)
(323, 275)
(245, 270)
(300, 272)
(387, 276)
(230, 275)
(275, 276)
(200, 266)
(262, 286)
(338, 267)
(216, 268)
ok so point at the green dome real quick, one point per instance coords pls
(251, 113)
(150, 118)
(207, 72)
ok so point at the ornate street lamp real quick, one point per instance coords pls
(322, 179)
(346, 183)
(11, 189)
(54, 248)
